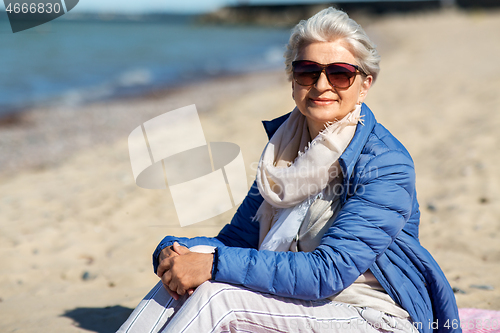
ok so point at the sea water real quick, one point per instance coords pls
(76, 62)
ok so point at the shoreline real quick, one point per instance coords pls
(28, 137)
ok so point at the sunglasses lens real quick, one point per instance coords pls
(306, 73)
(341, 75)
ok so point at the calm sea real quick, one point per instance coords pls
(76, 62)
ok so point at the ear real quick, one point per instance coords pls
(293, 90)
(365, 86)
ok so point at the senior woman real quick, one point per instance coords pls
(327, 238)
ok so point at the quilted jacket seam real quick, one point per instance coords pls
(371, 223)
(385, 207)
(375, 178)
(357, 240)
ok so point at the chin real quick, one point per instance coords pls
(324, 115)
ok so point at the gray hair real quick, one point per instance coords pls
(328, 25)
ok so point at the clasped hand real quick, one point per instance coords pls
(181, 270)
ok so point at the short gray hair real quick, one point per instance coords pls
(328, 25)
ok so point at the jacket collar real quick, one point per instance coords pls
(349, 157)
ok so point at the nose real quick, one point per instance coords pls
(323, 84)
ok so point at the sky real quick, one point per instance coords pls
(141, 6)
(186, 6)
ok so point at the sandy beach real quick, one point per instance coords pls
(77, 233)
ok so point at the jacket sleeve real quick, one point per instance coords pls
(372, 216)
(242, 231)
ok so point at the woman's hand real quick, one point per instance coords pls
(169, 252)
(183, 270)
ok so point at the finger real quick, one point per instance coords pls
(160, 271)
(167, 253)
(164, 266)
(173, 286)
(172, 294)
(177, 285)
(190, 291)
(180, 291)
(180, 249)
(167, 280)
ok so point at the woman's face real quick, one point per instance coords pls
(321, 102)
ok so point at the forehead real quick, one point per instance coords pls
(327, 52)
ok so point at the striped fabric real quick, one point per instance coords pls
(220, 307)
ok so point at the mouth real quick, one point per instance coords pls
(322, 101)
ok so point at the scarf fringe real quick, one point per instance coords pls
(330, 127)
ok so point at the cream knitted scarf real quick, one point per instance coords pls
(301, 182)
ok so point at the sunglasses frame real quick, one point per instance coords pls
(323, 70)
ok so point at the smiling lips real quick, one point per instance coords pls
(322, 101)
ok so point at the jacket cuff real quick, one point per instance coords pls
(215, 263)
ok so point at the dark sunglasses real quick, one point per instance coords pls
(339, 74)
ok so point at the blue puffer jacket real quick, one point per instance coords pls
(376, 229)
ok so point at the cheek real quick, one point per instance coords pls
(351, 95)
(298, 93)
(300, 98)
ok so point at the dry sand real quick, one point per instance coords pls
(77, 234)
